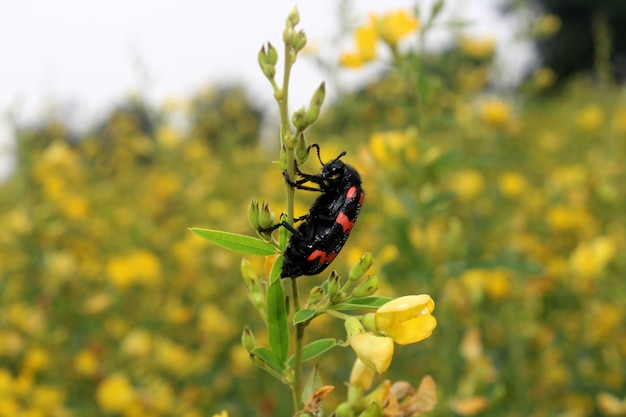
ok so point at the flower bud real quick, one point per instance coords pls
(313, 112)
(266, 217)
(333, 283)
(247, 339)
(299, 119)
(253, 214)
(248, 273)
(362, 267)
(374, 351)
(294, 17)
(299, 41)
(272, 54)
(315, 295)
(361, 375)
(372, 410)
(302, 150)
(366, 288)
(288, 35)
(369, 322)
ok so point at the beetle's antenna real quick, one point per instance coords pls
(317, 147)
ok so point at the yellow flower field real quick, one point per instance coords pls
(507, 208)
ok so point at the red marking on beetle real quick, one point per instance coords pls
(345, 222)
(324, 258)
(361, 199)
(351, 192)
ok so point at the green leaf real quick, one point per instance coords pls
(270, 357)
(276, 269)
(303, 315)
(235, 242)
(360, 303)
(315, 349)
(277, 327)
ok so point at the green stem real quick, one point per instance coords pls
(288, 142)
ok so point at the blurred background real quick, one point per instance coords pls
(491, 141)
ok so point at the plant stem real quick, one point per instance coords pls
(288, 142)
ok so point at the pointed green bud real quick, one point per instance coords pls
(302, 150)
(247, 339)
(361, 267)
(333, 283)
(372, 410)
(313, 112)
(294, 17)
(266, 217)
(369, 321)
(299, 119)
(299, 41)
(366, 288)
(278, 94)
(272, 54)
(265, 63)
(248, 273)
(253, 214)
(315, 295)
(288, 35)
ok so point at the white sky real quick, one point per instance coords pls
(87, 55)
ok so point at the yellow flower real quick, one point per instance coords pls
(563, 218)
(393, 26)
(590, 118)
(222, 414)
(115, 393)
(495, 112)
(512, 184)
(590, 258)
(374, 351)
(138, 267)
(365, 38)
(407, 319)
(361, 375)
(36, 359)
(468, 184)
(137, 343)
(86, 363)
(477, 48)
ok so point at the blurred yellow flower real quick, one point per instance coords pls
(362, 375)
(74, 207)
(46, 398)
(395, 25)
(407, 319)
(590, 118)
(564, 218)
(137, 267)
(137, 343)
(611, 405)
(222, 414)
(512, 184)
(388, 147)
(495, 112)
(86, 363)
(547, 25)
(468, 184)
(374, 351)
(115, 394)
(493, 282)
(590, 258)
(36, 359)
(544, 78)
(213, 320)
(365, 38)
(478, 48)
